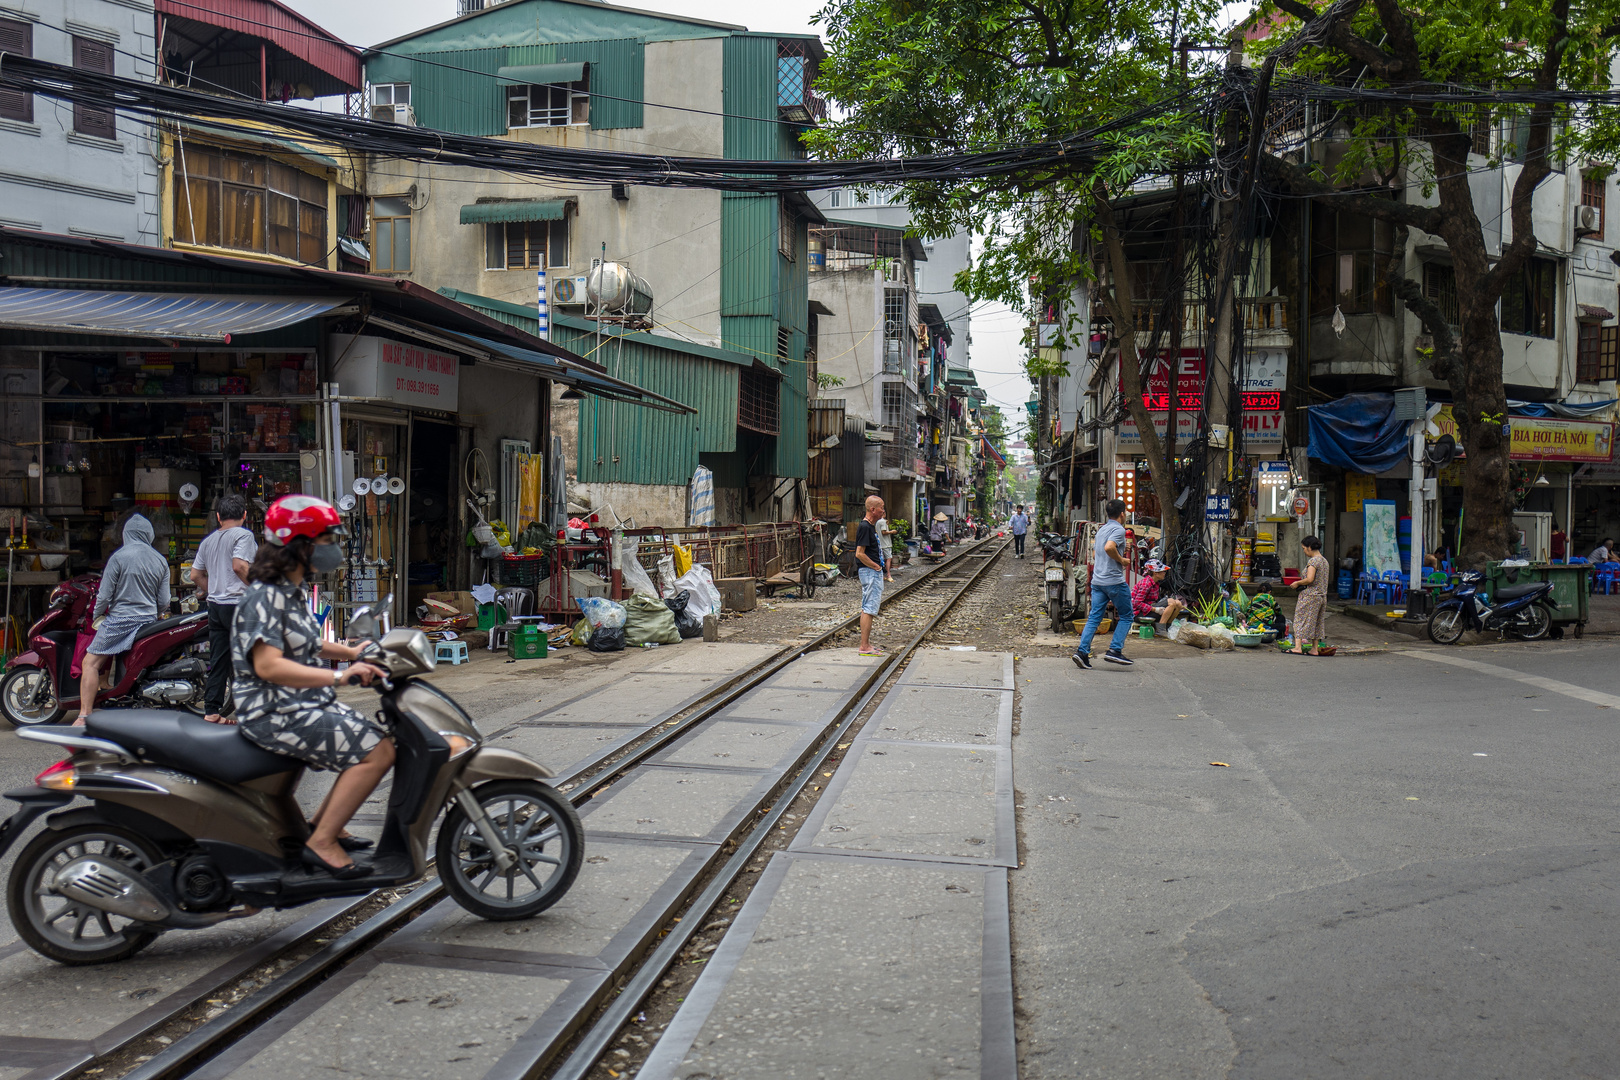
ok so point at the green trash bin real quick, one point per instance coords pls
(1569, 588)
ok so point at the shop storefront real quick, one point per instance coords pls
(204, 375)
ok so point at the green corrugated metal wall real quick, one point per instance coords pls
(458, 91)
(748, 273)
(653, 447)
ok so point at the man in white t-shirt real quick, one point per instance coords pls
(220, 572)
(886, 545)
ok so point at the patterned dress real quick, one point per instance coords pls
(1310, 614)
(307, 723)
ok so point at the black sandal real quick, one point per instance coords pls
(312, 859)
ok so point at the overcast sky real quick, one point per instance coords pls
(996, 353)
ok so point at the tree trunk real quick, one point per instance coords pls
(1481, 411)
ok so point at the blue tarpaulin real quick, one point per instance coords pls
(1358, 432)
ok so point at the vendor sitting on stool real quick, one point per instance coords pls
(1145, 594)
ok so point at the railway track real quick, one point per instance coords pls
(596, 994)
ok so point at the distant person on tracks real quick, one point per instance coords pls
(1020, 527)
(869, 557)
(1108, 586)
(886, 545)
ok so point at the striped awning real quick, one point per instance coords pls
(489, 213)
(164, 315)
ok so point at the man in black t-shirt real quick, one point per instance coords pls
(869, 559)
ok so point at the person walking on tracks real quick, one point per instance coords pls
(1020, 527)
(869, 556)
(220, 573)
(1108, 586)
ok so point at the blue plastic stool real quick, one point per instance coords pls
(453, 651)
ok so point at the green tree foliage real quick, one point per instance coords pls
(942, 76)
(1526, 45)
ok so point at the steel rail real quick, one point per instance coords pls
(209, 1038)
(595, 1042)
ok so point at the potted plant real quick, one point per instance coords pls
(902, 536)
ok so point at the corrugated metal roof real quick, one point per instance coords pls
(279, 24)
(166, 315)
(495, 210)
(542, 74)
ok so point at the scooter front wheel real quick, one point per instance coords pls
(1446, 626)
(537, 826)
(27, 698)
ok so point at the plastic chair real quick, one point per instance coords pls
(517, 600)
(1397, 583)
(1383, 587)
(1608, 579)
(1364, 587)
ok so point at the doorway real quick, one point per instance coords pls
(431, 545)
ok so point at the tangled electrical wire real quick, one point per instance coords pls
(1077, 152)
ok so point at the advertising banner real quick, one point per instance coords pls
(373, 367)
(1546, 438)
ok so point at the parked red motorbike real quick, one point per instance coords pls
(167, 665)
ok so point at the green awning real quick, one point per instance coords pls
(960, 376)
(489, 213)
(541, 74)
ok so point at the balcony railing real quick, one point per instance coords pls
(1257, 312)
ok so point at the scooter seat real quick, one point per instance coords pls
(165, 624)
(188, 743)
(1513, 592)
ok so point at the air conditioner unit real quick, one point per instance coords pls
(1588, 220)
(568, 291)
(394, 114)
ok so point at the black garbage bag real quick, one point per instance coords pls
(607, 639)
(687, 621)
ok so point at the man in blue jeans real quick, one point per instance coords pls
(1108, 584)
(1020, 526)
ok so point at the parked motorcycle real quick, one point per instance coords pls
(1523, 611)
(190, 824)
(1057, 567)
(167, 665)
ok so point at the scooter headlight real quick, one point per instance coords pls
(59, 777)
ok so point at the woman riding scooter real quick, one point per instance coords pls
(285, 703)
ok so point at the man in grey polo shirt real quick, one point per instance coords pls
(220, 571)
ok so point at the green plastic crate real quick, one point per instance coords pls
(527, 643)
(491, 616)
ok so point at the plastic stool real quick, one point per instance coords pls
(453, 651)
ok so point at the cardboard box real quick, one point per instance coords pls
(462, 601)
(164, 481)
(737, 593)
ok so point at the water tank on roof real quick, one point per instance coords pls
(613, 290)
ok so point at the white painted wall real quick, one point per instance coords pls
(57, 180)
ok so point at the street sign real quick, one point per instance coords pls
(1217, 508)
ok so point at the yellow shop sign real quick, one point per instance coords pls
(1545, 438)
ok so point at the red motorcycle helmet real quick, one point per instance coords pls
(292, 516)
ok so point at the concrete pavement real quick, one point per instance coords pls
(1407, 866)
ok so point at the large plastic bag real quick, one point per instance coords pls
(607, 639)
(683, 559)
(581, 634)
(635, 575)
(1221, 636)
(666, 576)
(689, 624)
(1193, 634)
(647, 619)
(601, 611)
(705, 597)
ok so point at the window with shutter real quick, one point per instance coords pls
(16, 39)
(1608, 354)
(92, 55)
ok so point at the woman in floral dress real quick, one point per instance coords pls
(1310, 613)
(284, 702)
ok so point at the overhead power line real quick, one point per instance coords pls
(1077, 151)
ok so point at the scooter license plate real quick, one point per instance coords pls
(1054, 573)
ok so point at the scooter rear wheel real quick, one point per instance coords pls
(27, 698)
(1532, 623)
(534, 819)
(64, 930)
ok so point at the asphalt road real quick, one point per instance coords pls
(1408, 866)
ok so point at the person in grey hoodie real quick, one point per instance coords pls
(134, 591)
